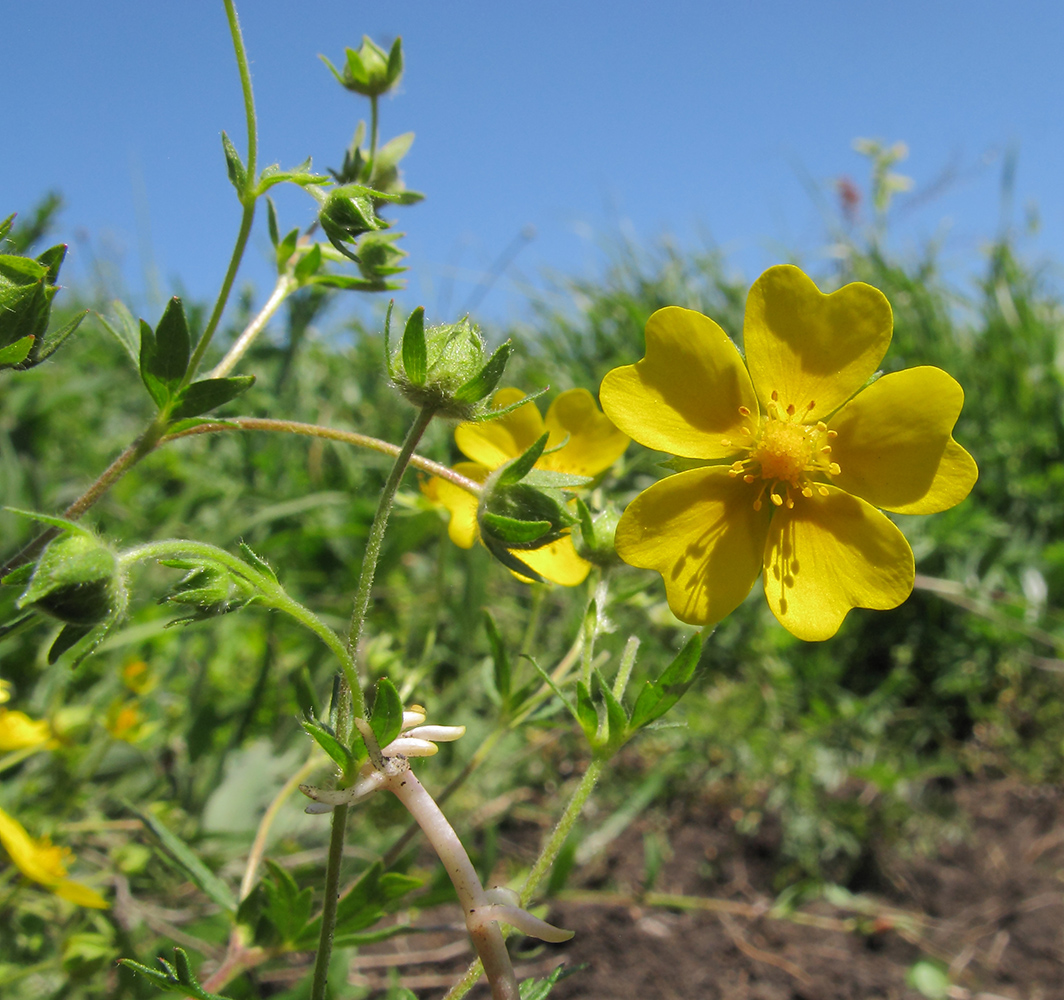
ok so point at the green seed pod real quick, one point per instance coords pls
(77, 580)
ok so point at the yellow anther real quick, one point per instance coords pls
(790, 502)
(776, 499)
(775, 395)
(790, 409)
(834, 468)
(744, 410)
(726, 442)
(826, 450)
(757, 504)
(823, 491)
(821, 426)
(833, 434)
(749, 478)
(807, 490)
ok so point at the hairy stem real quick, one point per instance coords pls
(284, 287)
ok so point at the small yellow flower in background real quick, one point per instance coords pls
(18, 731)
(137, 676)
(803, 455)
(125, 721)
(593, 445)
(44, 862)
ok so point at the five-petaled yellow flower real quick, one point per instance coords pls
(800, 455)
(593, 445)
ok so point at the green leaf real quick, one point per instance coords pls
(586, 713)
(69, 636)
(55, 340)
(271, 223)
(616, 717)
(502, 674)
(539, 989)
(929, 978)
(125, 329)
(286, 908)
(327, 740)
(172, 343)
(393, 151)
(50, 519)
(414, 347)
(517, 468)
(549, 681)
(657, 697)
(483, 384)
(285, 249)
(548, 479)
(5, 226)
(307, 265)
(238, 175)
(177, 978)
(349, 283)
(300, 176)
(386, 717)
(188, 423)
(16, 353)
(186, 859)
(511, 531)
(208, 393)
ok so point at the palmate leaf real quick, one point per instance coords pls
(177, 978)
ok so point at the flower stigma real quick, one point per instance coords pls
(784, 450)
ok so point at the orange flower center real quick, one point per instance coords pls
(783, 453)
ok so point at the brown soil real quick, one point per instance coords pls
(989, 905)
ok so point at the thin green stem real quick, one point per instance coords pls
(329, 904)
(286, 284)
(330, 434)
(376, 536)
(373, 131)
(248, 196)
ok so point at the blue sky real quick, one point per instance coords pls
(584, 120)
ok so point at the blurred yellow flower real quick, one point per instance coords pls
(18, 731)
(43, 862)
(593, 445)
(796, 455)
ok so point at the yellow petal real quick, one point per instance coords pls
(462, 504)
(684, 396)
(830, 554)
(495, 442)
(80, 894)
(39, 860)
(810, 347)
(557, 562)
(594, 443)
(700, 531)
(18, 731)
(894, 445)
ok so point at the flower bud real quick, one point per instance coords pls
(347, 213)
(210, 590)
(378, 257)
(370, 71)
(77, 580)
(593, 538)
(445, 367)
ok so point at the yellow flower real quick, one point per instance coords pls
(802, 455)
(18, 731)
(593, 445)
(43, 862)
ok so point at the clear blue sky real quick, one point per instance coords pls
(583, 119)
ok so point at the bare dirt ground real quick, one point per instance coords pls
(988, 905)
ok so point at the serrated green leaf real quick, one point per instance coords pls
(186, 859)
(657, 697)
(177, 978)
(386, 716)
(414, 347)
(501, 674)
(342, 757)
(205, 395)
(238, 175)
(517, 468)
(484, 382)
(287, 908)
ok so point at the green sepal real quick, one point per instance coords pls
(513, 532)
(76, 580)
(502, 675)
(617, 728)
(510, 561)
(238, 175)
(326, 739)
(586, 714)
(209, 393)
(69, 636)
(16, 353)
(517, 468)
(56, 340)
(186, 859)
(386, 716)
(414, 347)
(257, 562)
(483, 384)
(52, 521)
(5, 226)
(548, 479)
(349, 283)
(658, 696)
(176, 978)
